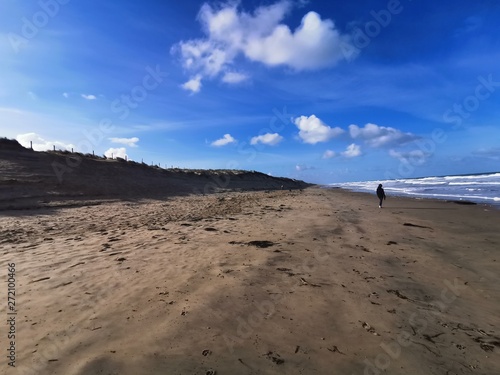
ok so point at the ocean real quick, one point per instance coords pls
(479, 188)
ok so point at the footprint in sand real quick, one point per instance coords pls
(275, 357)
(369, 328)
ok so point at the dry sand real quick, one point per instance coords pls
(312, 282)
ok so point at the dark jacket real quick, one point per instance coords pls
(380, 192)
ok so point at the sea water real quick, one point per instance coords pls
(478, 188)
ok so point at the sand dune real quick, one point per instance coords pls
(32, 179)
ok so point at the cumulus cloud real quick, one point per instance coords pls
(193, 85)
(379, 136)
(262, 37)
(89, 97)
(352, 151)
(313, 130)
(225, 140)
(328, 154)
(315, 44)
(42, 144)
(131, 142)
(267, 139)
(116, 153)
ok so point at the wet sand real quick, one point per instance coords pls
(278, 282)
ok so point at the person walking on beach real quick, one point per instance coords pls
(380, 194)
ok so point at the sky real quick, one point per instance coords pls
(322, 91)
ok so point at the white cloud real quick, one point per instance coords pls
(328, 154)
(267, 139)
(131, 142)
(302, 167)
(313, 130)
(490, 153)
(315, 44)
(262, 37)
(234, 77)
(378, 136)
(415, 157)
(41, 144)
(227, 139)
(9, 110)
(65, 94)
(32, 95)
(89, 97)
(193, 85)
(352, 151)
(116, 153)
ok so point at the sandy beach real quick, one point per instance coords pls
(272, 282)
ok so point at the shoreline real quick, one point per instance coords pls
(274, 282)
(495, 206)
(479, 188)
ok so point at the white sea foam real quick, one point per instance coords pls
(481, 188)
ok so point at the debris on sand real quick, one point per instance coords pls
(261, 244)
(275, 357)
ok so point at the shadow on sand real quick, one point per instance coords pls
(420, 208)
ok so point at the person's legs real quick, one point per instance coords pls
(380, 204)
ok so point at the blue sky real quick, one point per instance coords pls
(322, 91)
